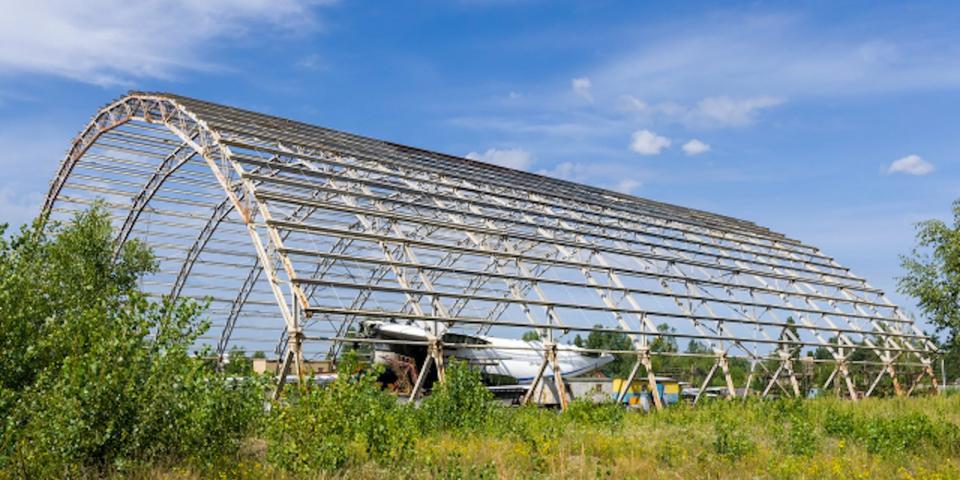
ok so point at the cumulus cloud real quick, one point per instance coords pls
(695, 147)
(514, 158)
(581, 86)
(646, 142)
(910, 165)
(112, 42)
(627, 185)
(567, 171)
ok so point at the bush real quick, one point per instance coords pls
(730, 441)
(607, 415)
(461, 402)
(323, 428)
(798, 433)
(898, 434)
(839, 422)
(94, 376)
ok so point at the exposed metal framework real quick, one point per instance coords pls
(295, 232)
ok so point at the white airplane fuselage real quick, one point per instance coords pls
(496, 357)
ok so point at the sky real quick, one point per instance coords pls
(832, 122)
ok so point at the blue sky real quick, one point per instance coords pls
(832, 122)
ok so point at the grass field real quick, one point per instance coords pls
(108, 385)
(822, 438)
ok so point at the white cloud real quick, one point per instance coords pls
(743, 56)
(910, 165)
(631, 103)
(695, 147)
(514, 158)
(582, 86)
(726, 111)
(111, 42)
(567, 171)
(714, 111)
(646, 142)
(627, 185)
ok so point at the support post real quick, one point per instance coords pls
(558, 380)
(282, 375)
(793, 377)
(422, 378)
(651, 379)
(536, 380)
(897, 389)
(722, 361)
(830, 378)
(746, 387)
(775, 379)
(706, 381)
(842, 365)
(626, 386)
(436, 349)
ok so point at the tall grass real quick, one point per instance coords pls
(459, 433)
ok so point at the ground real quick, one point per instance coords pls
(821, 438)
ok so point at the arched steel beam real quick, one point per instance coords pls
(181, 155)
(199, 137)
(220, 213)
(108, 118)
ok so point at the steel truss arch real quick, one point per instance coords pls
(343, 228)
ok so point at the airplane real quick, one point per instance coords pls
(502, 361)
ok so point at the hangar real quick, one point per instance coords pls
(296, 234)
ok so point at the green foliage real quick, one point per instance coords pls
(238, 364)
(94, 376)
(796, 427)
(932, 276)
(606, 415)
(322, 428)
(530, 336)
(730, 441)
(839, 422)
(460, 402)
(897, 434)
(620, 366)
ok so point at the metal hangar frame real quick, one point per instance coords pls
(295, 233)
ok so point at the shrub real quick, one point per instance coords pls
(94, 376)
(352, 418)
(898, 434)
(606, 415)
(839, 422)
(730, 441)
(799, 435)
(461, 402)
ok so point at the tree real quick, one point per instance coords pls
(94, 374)
(532, 336)
(932, 276)
(662, 343)
(695, 346)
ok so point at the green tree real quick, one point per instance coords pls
(93, 374)
(620, 366)
(664, 344)
(932, 276)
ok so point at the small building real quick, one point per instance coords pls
(310, 367)
(638, 393)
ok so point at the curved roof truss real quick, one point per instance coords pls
(296, 232)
